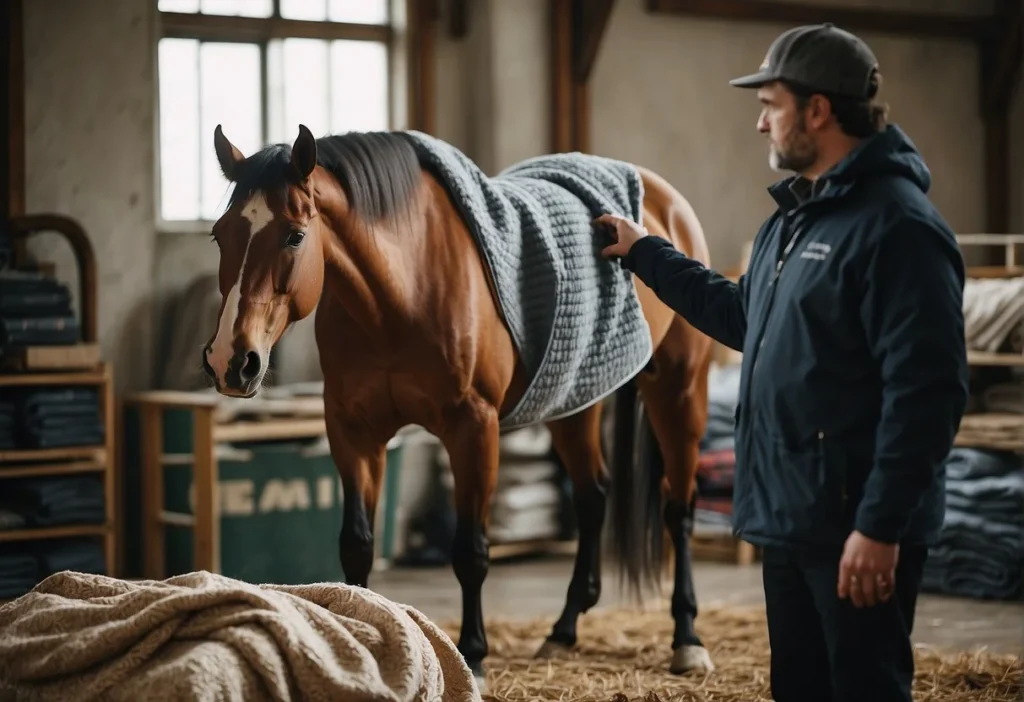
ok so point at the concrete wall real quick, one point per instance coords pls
(89, 103)
(660, 97)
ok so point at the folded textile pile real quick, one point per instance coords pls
(723, 394)
(35, 311)
(994, 314)
(717, 462)
(52, 417)
(203, 636)
(981, 548)
(52, 501)
(24, 564)
(1006, 398)
(1001, 431)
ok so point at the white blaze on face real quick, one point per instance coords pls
(258, 214)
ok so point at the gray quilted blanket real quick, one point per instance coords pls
(574, 316)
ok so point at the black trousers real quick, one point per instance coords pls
(823, 649)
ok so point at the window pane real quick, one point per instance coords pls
(359, 86)
(230, 95)
(244, 8)
(361, 11)
(301, 89)
(306, 9)
(178, 5)
(179, 128)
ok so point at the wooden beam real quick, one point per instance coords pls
(591, 22)
(192, 25)
(561, 76)
(1001, 59)
(458, 19)
(920, 24)
(12, 151)
(423, 21)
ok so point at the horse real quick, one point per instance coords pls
(409, 332)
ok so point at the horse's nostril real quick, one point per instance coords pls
(251, 368)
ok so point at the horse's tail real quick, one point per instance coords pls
(637, 531)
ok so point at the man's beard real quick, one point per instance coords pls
(797, 152)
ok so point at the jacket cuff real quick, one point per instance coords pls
(639, 253)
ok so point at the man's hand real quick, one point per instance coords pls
(624, 231)
(867, 570)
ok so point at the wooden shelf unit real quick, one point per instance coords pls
(99, 459)
(1011, 426)
(60, 366)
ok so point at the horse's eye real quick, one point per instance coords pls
(295, 238)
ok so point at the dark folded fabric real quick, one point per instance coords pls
(970, 463)
(82, 436)
(46, 502)
(976, 557)
(45, 423)
(10, 519)
(19, 573)
(73, 554)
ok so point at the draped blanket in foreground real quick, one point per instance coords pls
(574, 316)
(200, 636)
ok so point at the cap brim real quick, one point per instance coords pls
(754, 80)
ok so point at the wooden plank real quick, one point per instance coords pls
(190, 25)
(74, 378)
(917, 24)
(422, 64)
(172, 399)
(206, 534)
(270, 430)
(983, 358)
(151, 438)
(93, 453)
(60, 532)
(52, 358)
(48, 469)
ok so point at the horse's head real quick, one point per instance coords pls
(271, 258)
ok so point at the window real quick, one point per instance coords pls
(260, 68)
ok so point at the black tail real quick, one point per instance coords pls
(637, 529)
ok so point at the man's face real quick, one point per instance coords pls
(791, 146)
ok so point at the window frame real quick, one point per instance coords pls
(260, 31)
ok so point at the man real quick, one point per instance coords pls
(854, 378)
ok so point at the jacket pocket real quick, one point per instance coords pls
(806, 492)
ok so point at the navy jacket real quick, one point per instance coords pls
(854, 375)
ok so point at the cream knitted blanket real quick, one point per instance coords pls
(204, 637)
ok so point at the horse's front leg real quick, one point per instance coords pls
(360, 466)
(471, 439)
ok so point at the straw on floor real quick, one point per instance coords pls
(623, 656)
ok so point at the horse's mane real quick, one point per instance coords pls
(377, 170)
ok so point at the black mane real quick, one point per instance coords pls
(377, 170)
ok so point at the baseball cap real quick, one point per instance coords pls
(819, 57)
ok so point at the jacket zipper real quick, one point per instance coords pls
(786, 223)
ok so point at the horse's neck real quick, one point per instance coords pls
(365, 276)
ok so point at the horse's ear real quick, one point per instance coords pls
(227, 154)
(304, 152)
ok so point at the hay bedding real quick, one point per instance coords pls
(623, 656)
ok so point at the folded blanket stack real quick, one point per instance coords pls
(717, 462)
(23, 565)
(981, 549)
(35, 311)
(52, 501)
(52, 417)
(994, 314)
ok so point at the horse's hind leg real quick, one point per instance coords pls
(675, 401)
(577, 439)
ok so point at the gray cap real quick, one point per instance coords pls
(819, 57)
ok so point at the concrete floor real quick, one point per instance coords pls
(536, 587)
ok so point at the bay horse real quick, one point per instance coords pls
(409, 332)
